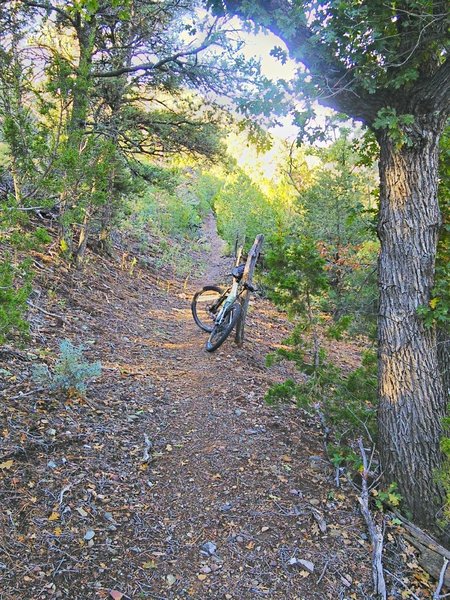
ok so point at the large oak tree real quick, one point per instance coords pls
(386, 64)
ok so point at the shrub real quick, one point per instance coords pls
(346, 403)
(15, 287)
(71, 372)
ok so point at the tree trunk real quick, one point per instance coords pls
(247, 278)
(76, 126)
(411, 395)
(443, 342)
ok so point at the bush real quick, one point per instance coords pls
(70, 374)
(15, 287)
(347, 403)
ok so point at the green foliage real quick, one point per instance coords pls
(206, 186)
(335, 208)
(338, 328)
(15, 288)
(29, 240)
(71, 372)
(170, 206)
(296, 281)
(75, 125)
(170, 211)
(242, 209)
(347, 402)
(282, 392)
(396, 126)
(344, 456)
(389, 497)
(295, 273)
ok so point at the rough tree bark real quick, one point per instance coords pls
(411, 395)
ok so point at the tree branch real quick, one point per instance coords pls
(51, 8)
(434, 92)
(153, 66)
(375, 533)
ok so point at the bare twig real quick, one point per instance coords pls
(45, 312)
(375, 533)
(23, 395)
(148, 445)
(437, 592)
(64, 491)
(403, 584)
(323, 572)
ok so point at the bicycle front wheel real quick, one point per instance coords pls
(205, 305)
(221, 331)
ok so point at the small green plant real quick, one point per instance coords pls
(70, 373)
(344, 456)
(15, 287)
(35, 240)
(337, 329)
(389, 496)
(282, 392)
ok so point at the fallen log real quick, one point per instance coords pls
(432, 555)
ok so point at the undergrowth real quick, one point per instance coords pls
(71, 373)
(171, 211)
(15, 288)
(346, 403)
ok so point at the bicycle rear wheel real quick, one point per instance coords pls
(221, 331)
(205, 305)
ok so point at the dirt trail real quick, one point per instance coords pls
(217, 264)
(235, 495)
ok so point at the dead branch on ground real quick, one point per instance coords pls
(375, 532)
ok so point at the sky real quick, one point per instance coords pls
(259, 46)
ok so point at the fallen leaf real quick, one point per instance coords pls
(116, 595)
(54, 516)
(90, 533)
(307, 564)
(347, 580)
(202, 576)
(58, 531)
(7, 464)
(170, 580)
(150, 564)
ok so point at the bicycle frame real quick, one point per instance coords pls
(231, 298)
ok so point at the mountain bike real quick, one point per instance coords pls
(217, 311)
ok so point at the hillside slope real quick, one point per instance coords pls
(234, 494)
